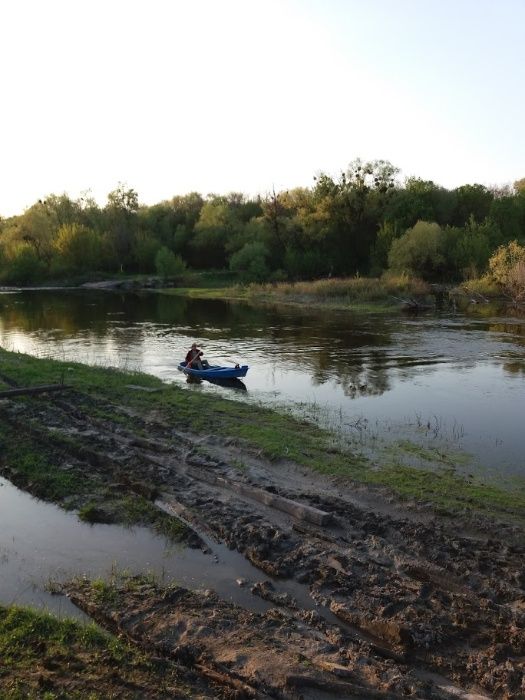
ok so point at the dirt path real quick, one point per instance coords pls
(398, 602)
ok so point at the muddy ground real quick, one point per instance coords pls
(402, 603)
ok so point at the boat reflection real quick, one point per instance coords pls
(231, 383)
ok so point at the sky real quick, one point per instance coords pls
(172, 96)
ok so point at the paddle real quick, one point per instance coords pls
(189, 364)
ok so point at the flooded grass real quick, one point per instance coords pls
(450, 492)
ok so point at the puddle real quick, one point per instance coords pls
(41, 543)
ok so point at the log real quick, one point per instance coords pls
(340, 688)
(31, 390)
(245, 691)
(293, 508)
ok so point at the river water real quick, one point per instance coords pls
(453, 381)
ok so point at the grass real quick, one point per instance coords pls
(357, 293)
(32, 463)
(51, 659)
(266, 432)
(449, 492)
(432, 456)
(28, 637)
(346, 289)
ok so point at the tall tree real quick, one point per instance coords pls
(122, 223)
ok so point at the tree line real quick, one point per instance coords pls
(362, 222)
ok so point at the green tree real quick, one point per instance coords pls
(349, 211)
(420, 251)
(471, 200)
(36, 227)
(22, 265)
(217, 223)
(419, 200)
(122, 223)
(79, 247)
(145, 249)
(468, 248)
(168, 264)
(250, 262)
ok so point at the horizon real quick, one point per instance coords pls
(101, 202)
(236, 97)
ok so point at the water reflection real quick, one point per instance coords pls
(466, 369)
(232, 383)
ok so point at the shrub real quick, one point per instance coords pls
(79, 247)
(168, 264)
(421, 251)
(145, 249)
(507, 269)
(250, 262)
(23, 266)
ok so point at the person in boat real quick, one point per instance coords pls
(193, 358)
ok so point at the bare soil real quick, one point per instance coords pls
(409, 604)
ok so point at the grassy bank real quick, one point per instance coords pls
(356, 293)
(128, 399)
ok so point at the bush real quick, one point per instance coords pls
(145, 249)
(23, 266)
(168, 264)
(507, 269)
(250, 262)
(482, 286)
(79, 247)
(421, 251)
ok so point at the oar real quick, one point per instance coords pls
(188, 364)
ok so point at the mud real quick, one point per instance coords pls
(421, 606)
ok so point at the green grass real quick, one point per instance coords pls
(50, 659)
(451, 492)
(432, 456)
(23, 632)
(31, 462)
(136, 509)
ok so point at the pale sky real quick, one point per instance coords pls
(245, 95)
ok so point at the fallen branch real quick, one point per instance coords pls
(31, 390)
(243, 690)
(297, 510)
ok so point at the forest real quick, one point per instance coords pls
(363, 222)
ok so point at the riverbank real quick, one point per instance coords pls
(360, 294)
(351, 293)
(110, 408)
(412, 571)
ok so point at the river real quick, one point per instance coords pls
(451, 382)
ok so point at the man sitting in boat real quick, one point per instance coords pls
(193, 358)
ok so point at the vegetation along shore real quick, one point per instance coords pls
(364, 222)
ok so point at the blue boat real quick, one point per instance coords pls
(214, 371)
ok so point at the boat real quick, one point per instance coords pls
(214, 371)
